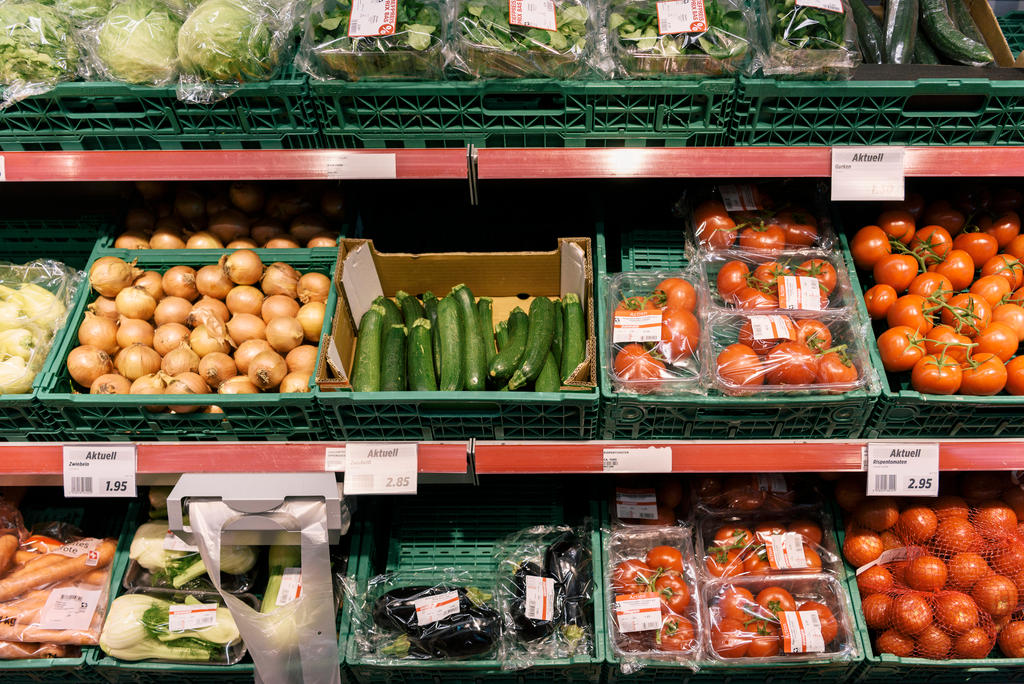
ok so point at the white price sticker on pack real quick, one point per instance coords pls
(636, 504)
(182, 616)
(69, 608)
(638, 612)
(799, 292)
(741, 197)
(801, 631)
(433, 608)
(291, 586)
(372, 18)
(772, 328)
(637, 326)
(539, 14)
(903, 469)
(540, 598)
(827, 5)
(682, 16)
(785, 551)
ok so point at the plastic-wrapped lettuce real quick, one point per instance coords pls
(37, 50)
(678, 38)
(507, 39)
(371, 39)
(81, 12)
(137, 42)
(810, 39)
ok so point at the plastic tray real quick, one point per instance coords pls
(1012, 24)
(713, 417)
(526, 113)
(265, 416)
(459, 528)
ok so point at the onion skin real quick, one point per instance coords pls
(110, 383)
(185, 383)
(154, 383)
(263, 230)
(302, 359)
(281, 243)
(304, 227)
(247, 351)
(228, 225)
(172, 310)
(244, 299)
(134, 330)
(212, 282)
(242, 243)
(280, 279)
(207, 306)
(246, 196)
(133, 239)
(243, 267)
(168, 337)
(311, 318)
(217, 367)
(180, 281)
(166, 238)
(313, 287)
(86, 363)
(278, 305)
(180, 360)
(204, 342)
(151, 190)
(203, 240)
(294, 382)
(267, 370)
(99, 332)
(109, 275)
(189, 205)
(323, 240)
(139, 220)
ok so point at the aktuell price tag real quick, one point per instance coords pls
(380, 468)
(903, 469)
(99, 470)
(862, 174)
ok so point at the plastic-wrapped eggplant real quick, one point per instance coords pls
(527, 628)
(568, 559)
(437, 621)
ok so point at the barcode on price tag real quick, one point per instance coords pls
(105, 470)
(827, 5)
(69, 608)
(182, 616)
(291, 586)
(801, 631)
(739, 197)
(638, 612)
(799, 292)
(433, 608)
(772, 327)
(173, 542)
(82, 547)
(637, 326)
(538, 14)
(903, 469)
(636, 460)
(380, 468)
(636, 504)
(785, 551)
(540, 597)
(372, 18)
(682, 16)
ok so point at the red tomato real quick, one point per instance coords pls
(1011, 640)
(764, 646)
(877, 609)
(968, 314)
(931, 286)
(878, 299)
(956, 535)
(980, 246)
(911, 311)
(714, 227)
(874, 580)
(991, 288)
(673, 590)
(1015, 376)
(635, 367)
(738, 364)
(757, 563)
(738, 603)
(680, 335)
(898, 224)
(974, 643)
(677, 634)
(814, 334)
(1007, 266)
(820, 269)
(776, 600)
(965, 569)
(1004, 228)
(752, 298)
(1012, 315)
(791, 363)
(897, 270)
(933, 643)
(767, 276)
(926, 573)
(995, 594)
(722, 562)
(998, 339)
(958, 267)
(808, 529)
(911, 614)
(765, 530)
(829, 625)
(733, 537)
(868, 245)
(800, 227)
(943, 339)
(932, 243)
(861, 547)
(1014, 248)
(836, 368)
(665, 558)
(679, 293)
(983, 375)
(917, 524)
(895, 643)
(746, 336)
(877, 513)
(901, 348)
(936, 375)
(767, 237)
(732, 278)
(729, 639)
(942, 213)
(632, 576)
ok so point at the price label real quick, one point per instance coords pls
(291, 586)
(369, 166)
(182, 616)
(540, 598)
(772, 328)
(649, 460)
(380, 468)
(801, 631)
(774, 483)
(99, 470)
(372, 18)
(739, 197)
(638, 612)
(903, 469)
(82, 547)
(334, 460)
(538, 14)
(173, 542)
(799, 292)
(433, 608)
(867, 173)
(637, 326)
(682, 16)
(785, 551)
(69, 608)
(827, 5)
(636, 504)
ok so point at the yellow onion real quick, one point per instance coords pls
(246, 196)
(166, 238)
(180, 360)
(242, 243)
(132, 239)
(247, 351)
(99, 332)
(281, 243)
(134, 331)
(110, 383)
(86, 363)
(190, 205)
(243, 267)
(168, 337)
(278, 305)
(311, 318)
(205, 307)
(172, 310)
(313, 287)
(286, 204)
(302, 359)
(238, 385)
(139, 219)
(153, 383)
(185, 383)
(267, 370)
(203, 341)
(228, 225)
(104, 306)
(211, 281)
(134, 302)
(217, 367)
(244, 299)
(137, 360)
(203, 240)
(304, 227)
(264, 229)
(109, 275)
(284, 334)
(151, 190)
(294, 382)
(323, 240)
(244, 327)
(151, 282)
(217, 204)
(280, 279)
(180, 281)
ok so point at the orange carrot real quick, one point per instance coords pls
(29, 577)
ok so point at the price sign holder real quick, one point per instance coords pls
(381, 468)
(637, 460)
(903, 469)
(99, 470)
(862, 174)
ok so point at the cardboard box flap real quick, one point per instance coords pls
(359, 280)
(574, 270)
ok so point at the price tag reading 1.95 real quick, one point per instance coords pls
(99, 470)
(381, 468)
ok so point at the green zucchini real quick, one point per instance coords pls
(411, 308)
(574, 348)
(556, 343)
(501, 336)
(474, 367)
(430, 304)
(450, 330)
(366, 362)
(538, 342)
(485, 322)
(392, 314)
(872, 42)
(392, 360)
(507, 360)
(961, 16)
(947, 40)
(420, 360)
(924, 53)
(547, 381)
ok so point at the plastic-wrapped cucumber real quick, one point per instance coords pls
(872, 41)
(900, 30)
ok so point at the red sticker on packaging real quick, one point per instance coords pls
(638, 612)
(785, 551)
(430, 609)
(827, 5)
(682, 16)
(799, 292)
(539, 14)
(772, 327)
(637, 326)
(801, 631)
(636, 504)
(184, 616)
(739, 197)
(540, 598)
(291, 586)
(372, 18)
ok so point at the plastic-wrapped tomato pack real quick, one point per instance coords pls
(654, 613)
(799, 352)
(785, 543)
(784, 618)
(769, 493)
(654, 332)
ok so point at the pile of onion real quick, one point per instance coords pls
(238, 326)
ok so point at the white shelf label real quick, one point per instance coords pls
(827, 5)
(862, 174)
(433, 608)
(372, 18)
(539, 14)
(99, 470)
(649, 460)
(182, 616)
(69, 608)
(540, 598)
(368, 166)
(291, 586)
(334, 460)
(682, 16)
(380, 468)
(903, 469)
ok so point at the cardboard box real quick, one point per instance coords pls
(510, 279)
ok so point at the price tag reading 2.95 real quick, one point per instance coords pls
(903, 469)
(380, 468)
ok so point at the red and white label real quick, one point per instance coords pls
(539, 14)
(82, 547)
(827, 5)
(69, 608)
(772, 327)
(637, 326)
(739, 197)
(540, 597)
(799, 292)
(785, 551)
(801, 632)
(430, 609)
(182, 616)
(291, 586)
(638, 612)
(682, 16)
(893, 556)
(772, 483)
(636, 504)
(372, 18)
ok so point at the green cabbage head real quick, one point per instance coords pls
(138, 42)
(227, 40)
(36, 45)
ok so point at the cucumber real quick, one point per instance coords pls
(538, 342)
(420, 359)
(900, 30)
(924, 53)
(430, 304)
(507, 360)
(366, 363)
(574, 347)
(961, 16)
(474, 367)
(411, 308)
(872, 42)
(392, 314)
(485, 322)
(556, 343)
(547, 381)
(947, 40)
(392, 360)
(450, 330)
(501, 336)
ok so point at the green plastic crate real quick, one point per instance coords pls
(527, 113)
(627, 416)
(68, 240)
(459, 527)
(108, 518)
(276, 114)
(1012, 24)
(927, 111)
(264, 416)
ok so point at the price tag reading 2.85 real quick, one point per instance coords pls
(380, 468)
(903, 469)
